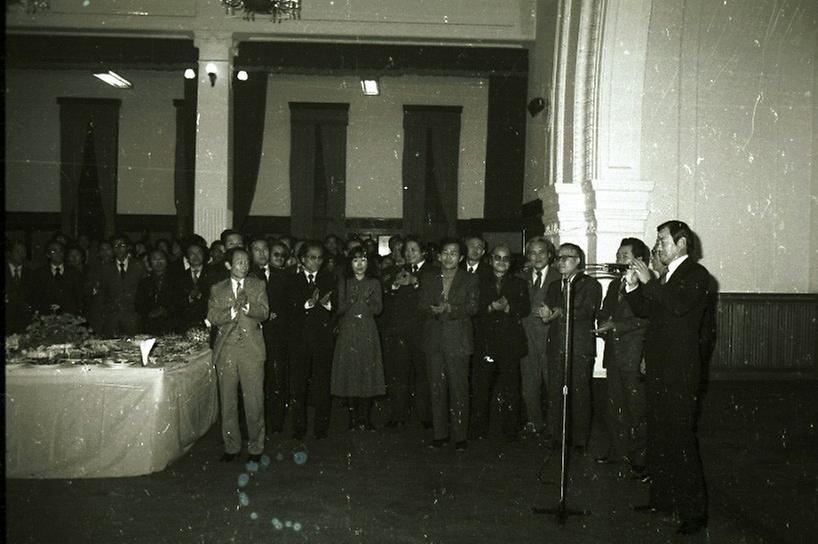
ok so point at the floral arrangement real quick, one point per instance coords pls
(46, 330)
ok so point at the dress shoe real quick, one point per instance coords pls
(227, 457)
(646, 509)
(254, 458)
(439, 442)
(691, 526)
(462, 445)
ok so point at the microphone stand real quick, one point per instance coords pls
(561, 511)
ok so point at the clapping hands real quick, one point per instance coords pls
(500, 305)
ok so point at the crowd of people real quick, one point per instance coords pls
(434, 329)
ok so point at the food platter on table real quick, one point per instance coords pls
(118, 363)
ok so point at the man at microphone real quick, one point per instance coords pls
(675, 304)
(586, 295)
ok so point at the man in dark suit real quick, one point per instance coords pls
(539, 274)
(586, 295)
(475, 251)
(57, 287)
(499, 344)
(624, 335)
(118, 285)
(675, 304)
(194, 280)
(268, 265)
(448, 300)
(311, 303)
(400, 326)
(17, 287)
(237, 307)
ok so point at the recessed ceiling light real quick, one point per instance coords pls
(190, 74)
(242, 75)
(114, 80)
(370, 87)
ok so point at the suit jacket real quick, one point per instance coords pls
(585, 299)
(276, 328)
(535, 330)
(450, 332)
(498, 333)
(675, 311)
(18, 299)
(400, 316)
(65, 292)
(193, 297)
(317, 322)
(153, 294)
(118, 293)
(483, 270)
(624, 343)
(243, 331)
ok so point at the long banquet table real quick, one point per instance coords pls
(91, 421)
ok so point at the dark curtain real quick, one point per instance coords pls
(75, 116)
(184, 175)
(249, 106)
(90, 215)
(430, 165)
(317, 168)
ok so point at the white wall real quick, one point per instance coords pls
(374, 140)
(728, 136)
(147, 133)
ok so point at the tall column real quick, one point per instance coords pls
(621, 194)
(213, 199)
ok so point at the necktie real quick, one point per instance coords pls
(195, 276)
(565, 285)
(471, 270)
(538, 279)
(414, 269)
(121, 270)
(311, 280)
(58, 273)
(16, 273)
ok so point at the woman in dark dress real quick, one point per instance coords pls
(357, 366)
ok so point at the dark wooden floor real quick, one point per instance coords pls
(758, 439)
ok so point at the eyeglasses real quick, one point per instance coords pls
(564, 258)
(278, 254)
(120, 244)
(314, 257)
(503, 258)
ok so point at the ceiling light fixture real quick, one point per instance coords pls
(114, 80)
(190, 73)
(241, 75)
(370, 87)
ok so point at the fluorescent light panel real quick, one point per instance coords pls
(370, 87)
(114, 80)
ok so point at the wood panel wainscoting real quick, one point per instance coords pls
(765, 335)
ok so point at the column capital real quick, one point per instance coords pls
(217, 45)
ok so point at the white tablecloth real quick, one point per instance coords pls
(92, 421)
